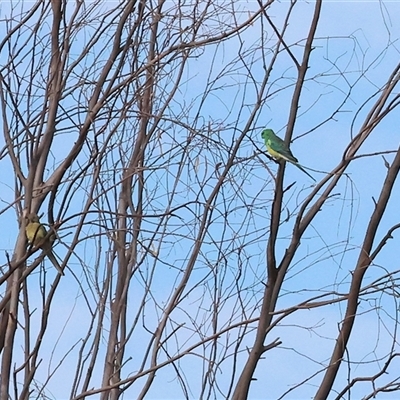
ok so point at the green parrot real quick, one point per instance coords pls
(280, 150)
(36, 233)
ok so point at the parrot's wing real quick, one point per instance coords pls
(278, 146)
(287, 155)
(278, 149)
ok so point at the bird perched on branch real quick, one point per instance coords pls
(37, 235)
(280, 150)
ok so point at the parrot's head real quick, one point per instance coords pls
(267, 134)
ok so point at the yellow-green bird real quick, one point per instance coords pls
(280, 150)
(36, 234)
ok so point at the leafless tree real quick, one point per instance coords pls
(133, 130)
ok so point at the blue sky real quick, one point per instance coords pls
(352, 37)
